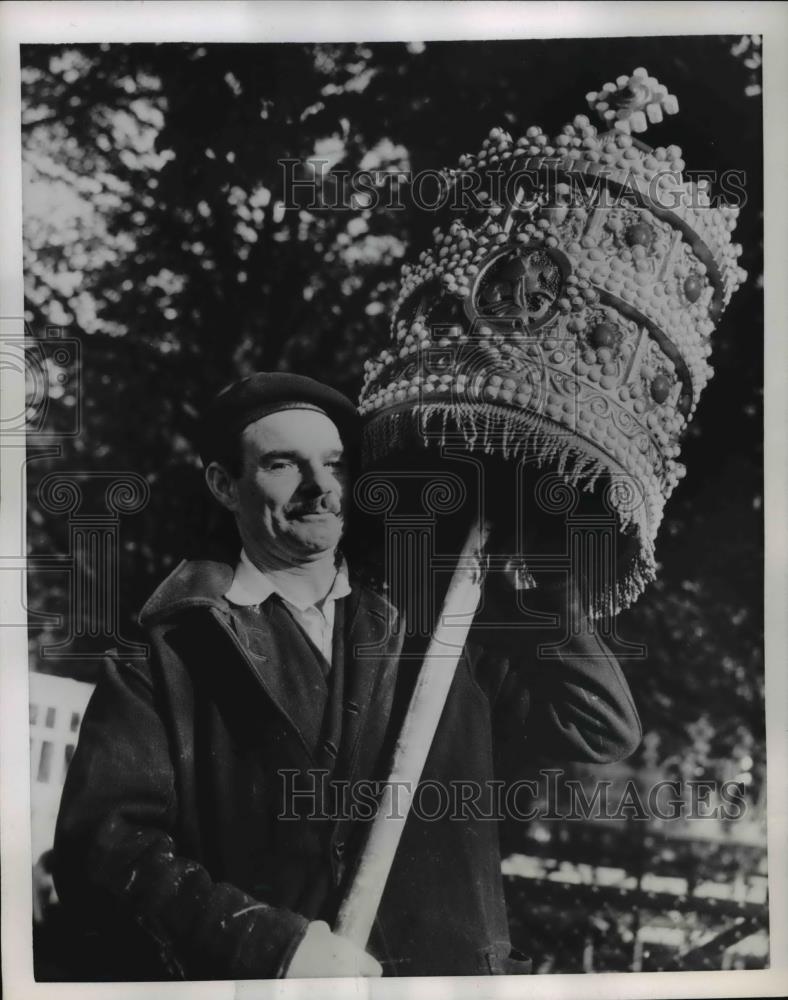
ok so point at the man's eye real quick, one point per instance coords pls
(280, 465)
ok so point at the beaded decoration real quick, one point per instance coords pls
(569, 315)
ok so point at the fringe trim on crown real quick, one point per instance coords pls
(500, 430)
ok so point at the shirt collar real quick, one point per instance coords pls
(251, 586)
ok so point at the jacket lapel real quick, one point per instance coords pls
(372, 646)
(284, 663)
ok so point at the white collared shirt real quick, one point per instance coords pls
(251, 586)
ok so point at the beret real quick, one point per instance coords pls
(241, 403)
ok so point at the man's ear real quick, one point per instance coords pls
(222, 485)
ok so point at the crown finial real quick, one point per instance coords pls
(633, 102)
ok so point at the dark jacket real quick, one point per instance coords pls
(170, 840)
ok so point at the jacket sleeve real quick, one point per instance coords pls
(116, 860)
(572, 706)
(572, 703)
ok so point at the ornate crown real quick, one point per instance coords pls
(567, 311)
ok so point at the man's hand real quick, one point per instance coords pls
(323, 955)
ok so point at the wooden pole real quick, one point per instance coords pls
(357, 913)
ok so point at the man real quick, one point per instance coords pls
(197, 828)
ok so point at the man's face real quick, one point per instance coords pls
(290, 497)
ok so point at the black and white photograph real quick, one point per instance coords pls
(395, 585)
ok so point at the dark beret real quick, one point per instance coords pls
(255, 396)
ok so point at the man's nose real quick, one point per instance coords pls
(320, 478)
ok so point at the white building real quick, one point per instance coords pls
(57, 705)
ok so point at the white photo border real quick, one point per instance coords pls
(231, 21)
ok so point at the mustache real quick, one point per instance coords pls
(327, 503)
